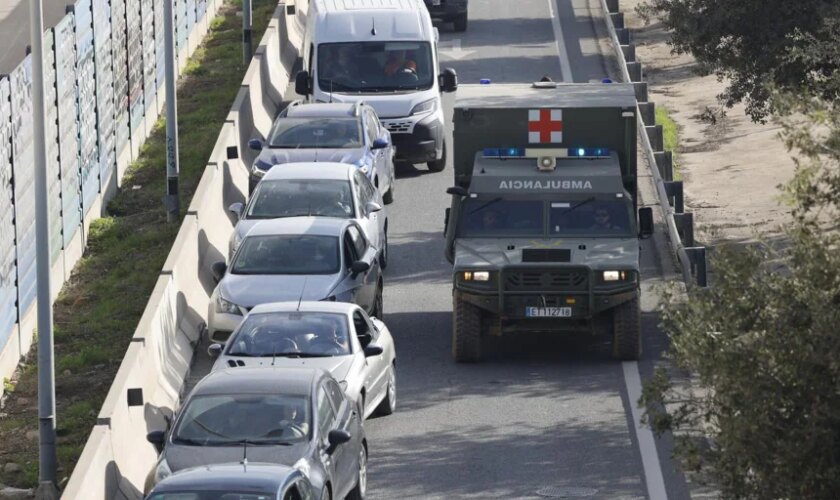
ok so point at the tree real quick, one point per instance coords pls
(758, 44)
(760, 410)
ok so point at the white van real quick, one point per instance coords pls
(384, 52)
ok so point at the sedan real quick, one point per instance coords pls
(322, 190)
(245, 480)
(356, 349)
(297, 417)
(294, 259)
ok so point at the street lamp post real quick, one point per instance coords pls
(173, 203)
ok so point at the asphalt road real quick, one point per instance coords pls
(541, 415)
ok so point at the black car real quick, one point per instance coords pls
(245, 480)
(454, 11)
(297, 417)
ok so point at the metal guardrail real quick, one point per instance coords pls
(691, 259)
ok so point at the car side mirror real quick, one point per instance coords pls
(457, 191)
(380, 143)
(359, 267)
(236, 209)
(645, 222)
(373, 350)
(448, 80)
(336, 438)
(215, 350)
(219, 269)
(303, 83)
(255, 144)
(372, 207)
(157, 438)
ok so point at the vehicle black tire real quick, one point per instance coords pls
(383, 258)
(377, 303)
(460, 23)
(466, 331)
(388, 197)
(438, 165)
(627, 326)
(358, 491)
(389, 402)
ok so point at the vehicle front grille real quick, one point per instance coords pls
(546, 280)
(398, 127)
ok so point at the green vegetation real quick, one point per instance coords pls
(671, 136)
(100, 306)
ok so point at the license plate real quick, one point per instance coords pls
(548, 312)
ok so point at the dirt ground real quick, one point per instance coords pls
(730, 166)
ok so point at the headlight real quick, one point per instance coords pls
(425, 107)
(476, 275)
(162, 471)
(617, 275)
(226, 307)
(260, 168)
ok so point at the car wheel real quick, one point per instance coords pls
(383, 258)
(358, 492)
(389, 403)
(438, 165)
(388, 197)
(377, 303)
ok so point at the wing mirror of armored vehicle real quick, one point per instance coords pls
(448, 80)
(457, 191)
(303, 83)
(645, 222)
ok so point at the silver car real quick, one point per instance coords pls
(323, 189)
(255, 481)
(329, 132)
(299, 258)
(341, 338)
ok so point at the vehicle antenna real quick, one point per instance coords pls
(331, 90)
(301, 292)
(373, 26)
(245, 454)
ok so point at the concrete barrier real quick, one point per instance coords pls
(117, 458)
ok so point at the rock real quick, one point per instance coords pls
(32, 435)
(9, 493)
(11, 468)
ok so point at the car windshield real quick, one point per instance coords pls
(293, 197)
(294, 334)
(374, 66)
(591, 217)
(498, 217)
(204, 494)
(233, 419)
(287, 254)
(316, 133)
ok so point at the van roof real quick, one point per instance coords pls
(355, 20)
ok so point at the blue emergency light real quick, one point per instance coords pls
(535, 153)
(589, 152)
(504, 153)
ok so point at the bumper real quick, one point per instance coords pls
(448, 9)
(424, 143)
(221, 325)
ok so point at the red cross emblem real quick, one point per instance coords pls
(545, 125)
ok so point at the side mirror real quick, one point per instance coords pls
(236, 209)
(255, 144)
(219, 269)
(446, 220)
(336, 438)
(359, 267)
(380, 143)
(303, 83)
(157, 438)
(373, 350)
(372, 207)
(457, 191)
(448, 80)
(645, 222)
(215, 350)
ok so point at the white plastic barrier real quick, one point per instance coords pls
(150, 380)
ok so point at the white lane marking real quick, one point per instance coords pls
(565, 65)
(647, 447)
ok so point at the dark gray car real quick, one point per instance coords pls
(243, 481)
(298, 417)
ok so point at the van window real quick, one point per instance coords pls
(375, 66)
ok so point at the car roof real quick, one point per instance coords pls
(322, 110)
(351, 20)
(259, 380)
(310, 226)
(315, 170)
(253, 477)
(306, 306)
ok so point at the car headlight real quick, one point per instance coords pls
(425, 107)
(260, 168)
(476, 275)
(609, 276)
(162, 471)
(226, 307)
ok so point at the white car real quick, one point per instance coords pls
(355, 348)
(315, 189)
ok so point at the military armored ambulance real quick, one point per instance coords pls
(543, 230)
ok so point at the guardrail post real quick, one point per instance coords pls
(685, 226)
(612, 6)
(665, 164)
(648, 112)
(641, 91)
(634, 69)
(623, 35)
(674, 189)
(617, 19)
(629, 52)
(697, 256)
(655, 134)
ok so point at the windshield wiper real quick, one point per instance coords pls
(489, 203)
(250, 442)
(190, 441)
(576, 206)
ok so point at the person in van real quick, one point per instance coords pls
(400, 61)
